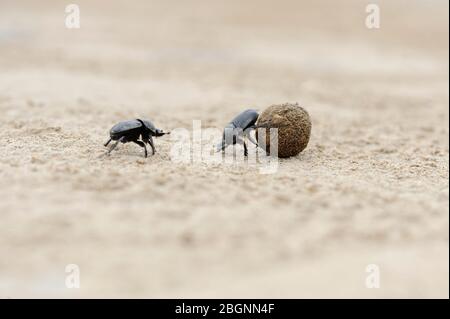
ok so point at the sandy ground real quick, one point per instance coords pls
(371, 188)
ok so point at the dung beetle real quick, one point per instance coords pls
(131, 131)
(238, 129)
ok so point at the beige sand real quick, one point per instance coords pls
(371, 188)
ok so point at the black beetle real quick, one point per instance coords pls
(238, 129)
(130, 131)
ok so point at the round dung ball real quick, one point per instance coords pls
(293, 124)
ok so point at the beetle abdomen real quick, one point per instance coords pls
(245, 119)
(124, 128)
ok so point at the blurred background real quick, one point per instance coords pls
(371, 188)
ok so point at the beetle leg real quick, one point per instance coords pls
(221, 146)
(150, 141)
(106, 144)
(142, 144)
(245, 149)
(112, 147)
(248, 135)
(241, 141)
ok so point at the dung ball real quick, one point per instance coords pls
(293, 124)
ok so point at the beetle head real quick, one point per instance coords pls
(159, 132)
